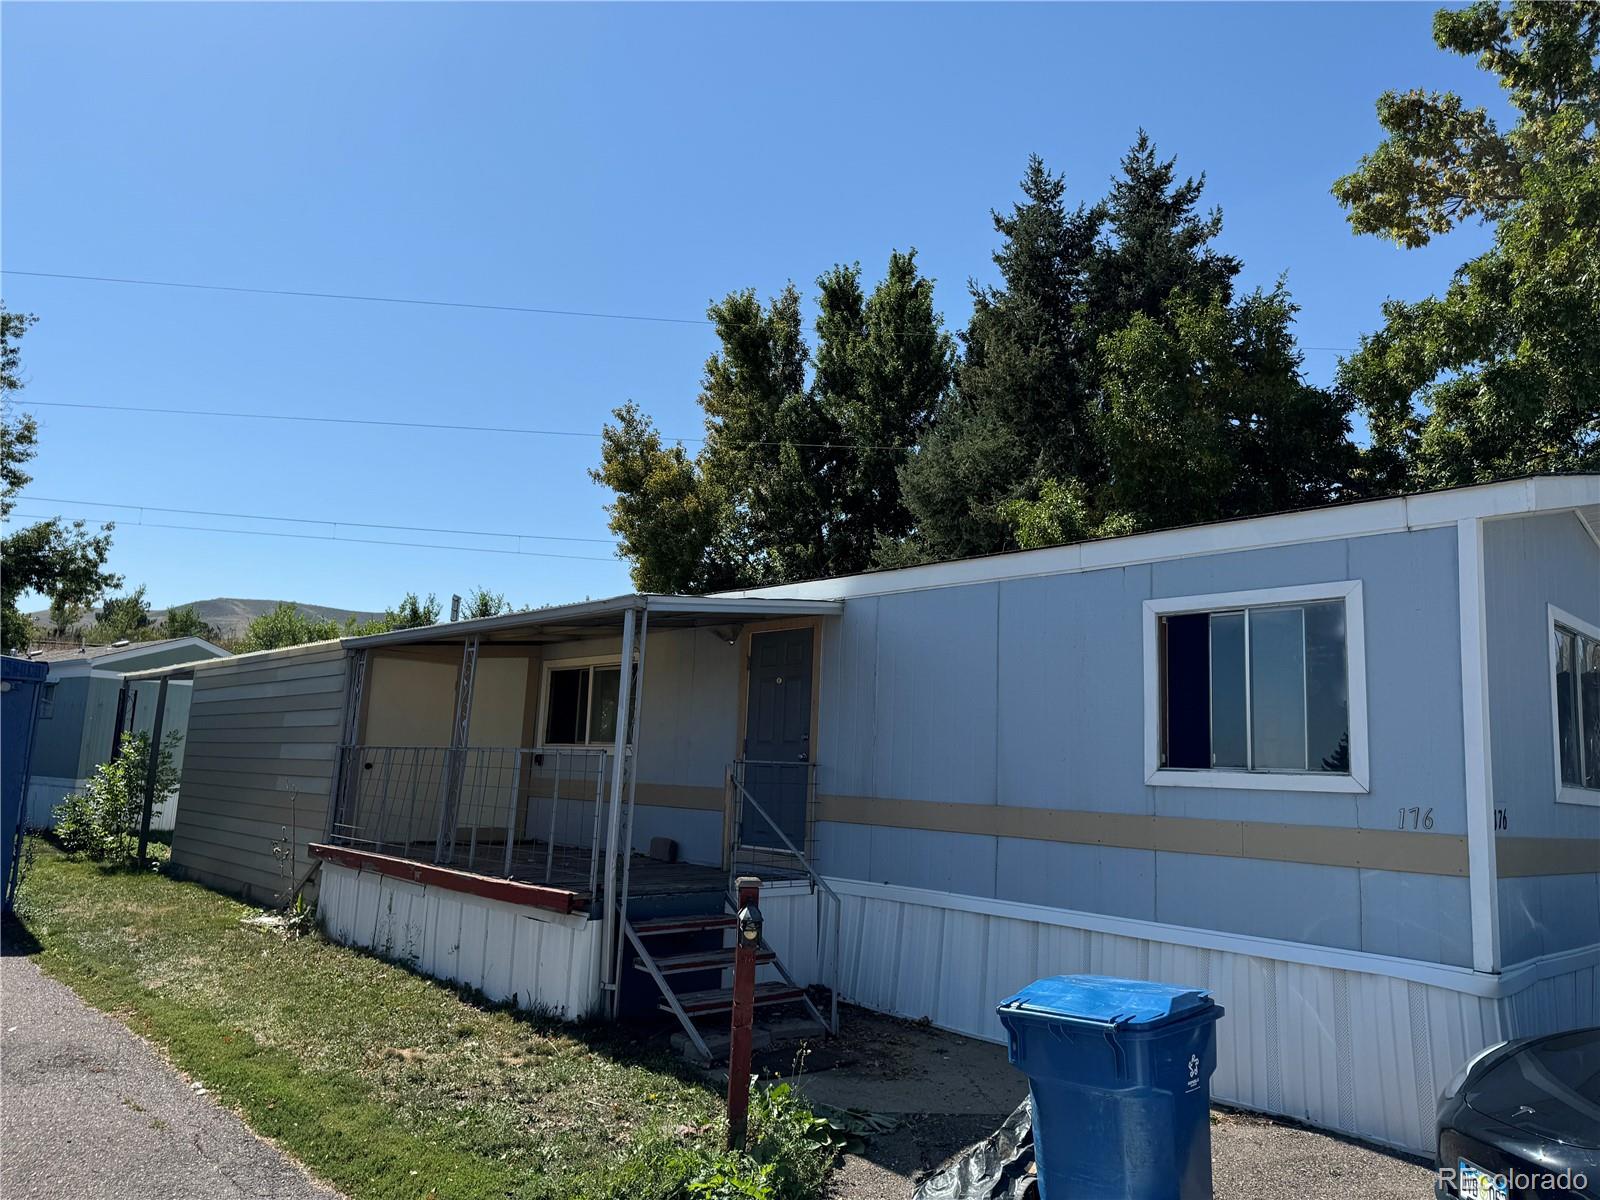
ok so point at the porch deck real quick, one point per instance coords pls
(558, 881)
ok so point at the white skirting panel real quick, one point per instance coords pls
(535, 959)
(1357, 1043)
(46, 792)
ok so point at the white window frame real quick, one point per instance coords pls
(47, 700)
(591, 662)
(1566, 793)
(1347, 590)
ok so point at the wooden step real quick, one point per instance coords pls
(689, 923)
(720, 1000)
(702, 960)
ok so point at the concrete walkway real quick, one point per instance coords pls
(88, 1109)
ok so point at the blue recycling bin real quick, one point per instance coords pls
(1120, 1071)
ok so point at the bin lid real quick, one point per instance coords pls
(1126, 1002)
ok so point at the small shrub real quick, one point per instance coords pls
(788, 1154)
(797, 1146)
(733, 1176)
(102, 821)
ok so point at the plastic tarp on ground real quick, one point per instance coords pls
(1000, 1167)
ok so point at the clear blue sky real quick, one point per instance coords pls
(619, 158)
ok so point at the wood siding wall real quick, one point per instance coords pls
(258, 767)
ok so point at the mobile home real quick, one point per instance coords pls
(1340, 766)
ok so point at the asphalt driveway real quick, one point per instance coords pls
(88, 1109)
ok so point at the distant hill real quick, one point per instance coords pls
(231, 617)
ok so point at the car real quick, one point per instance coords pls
(1522, 1120)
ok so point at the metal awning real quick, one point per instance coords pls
(598, 618)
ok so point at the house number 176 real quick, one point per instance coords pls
(1416, 818)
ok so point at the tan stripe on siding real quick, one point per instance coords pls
(1384, 850)
(1517, 857)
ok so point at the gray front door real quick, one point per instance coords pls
(777, 739)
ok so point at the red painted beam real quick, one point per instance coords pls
(509, 890)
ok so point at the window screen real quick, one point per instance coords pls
(566, 718)
(1256, 689)
(1577, 685)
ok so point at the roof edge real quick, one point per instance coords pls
(1357, 518)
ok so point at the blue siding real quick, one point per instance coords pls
(1294, 901)
(1529, 564)
(1029, 693)
(1072, 709)
(58, 738)
(1102, 879)
(849, 686)
(945, 862)
(698, 834)
(933, 710)
(1547, 914)
(689, 725)
(1416, 916)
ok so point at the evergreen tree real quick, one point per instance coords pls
(797, 477)
(883, 364)
(1020, 412)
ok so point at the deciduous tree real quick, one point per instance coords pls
(1500, 375)
(60, 560)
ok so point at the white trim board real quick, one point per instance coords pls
(1348, 590)
(1566, 793)
(1366, 518)
(1482, 884)
(1463, 980)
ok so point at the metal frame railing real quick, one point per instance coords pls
(819, 885)
(513, 811)
(787, 788)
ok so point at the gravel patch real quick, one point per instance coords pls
(949, 1092)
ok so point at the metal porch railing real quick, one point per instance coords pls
(515, 812)
(773, 840)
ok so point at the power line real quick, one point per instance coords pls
(304, 295)
(327, 537)
(205, 512)
(512, 308)
(431, 425)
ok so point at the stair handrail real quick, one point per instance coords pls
(818, 881)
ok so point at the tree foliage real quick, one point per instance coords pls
(1113, 382)
(286, 625)
(185, 622)
(61, 560)
(798, 474)
(481, 602)
(1500, 375)
(123, 618)
(289, 625)
(102, 822)
(410, 613)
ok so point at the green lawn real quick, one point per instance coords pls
(384, 1083)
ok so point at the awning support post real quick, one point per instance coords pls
(634, 715)
(344, 780)
(619, 764)
(456, 759)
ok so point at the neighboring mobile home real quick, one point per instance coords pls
(78, 713)
(1340, 766)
